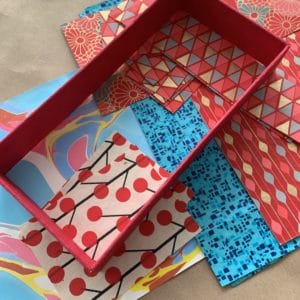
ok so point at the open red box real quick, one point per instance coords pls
(216, 15)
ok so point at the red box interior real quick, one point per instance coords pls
(231, 25)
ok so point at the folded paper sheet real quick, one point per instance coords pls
(167, 227)
(104, 5)
(234, 251)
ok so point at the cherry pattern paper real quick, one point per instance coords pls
(103, 196)
(166, 228)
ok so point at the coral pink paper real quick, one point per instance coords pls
(167, 227)
(103, 196)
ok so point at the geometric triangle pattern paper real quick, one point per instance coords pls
(167, 227)
(89, 35)
(277, 102)
(216, 62)
(281, 17)
(102, 198)
(234, 237)
(117, 93)
(167, 82)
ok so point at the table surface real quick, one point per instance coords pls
(33, 51)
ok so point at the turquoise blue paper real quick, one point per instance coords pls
(108, 4)
(234, 238)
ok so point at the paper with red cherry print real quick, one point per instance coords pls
(281, 17)
(167, 227)
(216, 62)
(104, 195)
(117, 93)
(267, 164)
(89, 35)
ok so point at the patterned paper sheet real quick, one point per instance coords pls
(281, 17)
(89, 35)
(118, 92)
(235, 251)
(21, 276)
(267, 165)
(277, 103)
(216, 62)
(104, 5)
(117, 174)
(166, 228)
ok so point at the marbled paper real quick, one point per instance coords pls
(167, 227)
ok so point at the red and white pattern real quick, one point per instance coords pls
(167, 227)
(87, 36)
(216, 62)
(103, 196)
(117, 93)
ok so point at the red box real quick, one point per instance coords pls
(236, 28)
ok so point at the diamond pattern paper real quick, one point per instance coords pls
(216, 62)
(266, 164)
(100, 200)
(167, 227)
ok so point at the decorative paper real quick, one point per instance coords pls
(281, 17)
(118, 93)
(104, 5)
(266, 164)
(89, 35)
(234, 237)
(168, 83)
(270, 169)
(20, 272)
(175, 264)
(117, 174)
(277, 103)
(167, 227)
(216, 62)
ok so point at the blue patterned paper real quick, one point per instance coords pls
(108, 4)
(235, 239)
